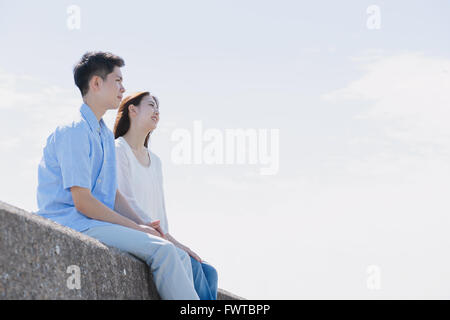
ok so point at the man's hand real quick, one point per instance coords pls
(156, 225)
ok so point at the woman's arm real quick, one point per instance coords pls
(183, 247)
(122, 206)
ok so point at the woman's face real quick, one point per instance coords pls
(147, 113)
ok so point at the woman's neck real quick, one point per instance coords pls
(135, 139)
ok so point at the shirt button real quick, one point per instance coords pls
(99, 180)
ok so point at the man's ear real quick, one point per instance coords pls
(95, 83)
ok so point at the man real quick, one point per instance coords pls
(77, 184)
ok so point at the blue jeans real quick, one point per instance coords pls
(205, 280)
(169, 265)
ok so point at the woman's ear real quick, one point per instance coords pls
(132, 110)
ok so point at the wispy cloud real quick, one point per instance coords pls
(405, 100)
(409, 92)
(31, 110)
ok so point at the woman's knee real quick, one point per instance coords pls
(209, 271)
(196, 266)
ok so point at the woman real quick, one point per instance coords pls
(140, 179)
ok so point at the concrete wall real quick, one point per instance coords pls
(37, 257)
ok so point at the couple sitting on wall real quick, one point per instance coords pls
(113, 190)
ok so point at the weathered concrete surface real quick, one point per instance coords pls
(36, 255)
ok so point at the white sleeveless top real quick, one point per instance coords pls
(141, 186)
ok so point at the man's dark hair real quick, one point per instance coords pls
(96, 63)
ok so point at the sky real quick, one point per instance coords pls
(347, 104)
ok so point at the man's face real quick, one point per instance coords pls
(112, 89)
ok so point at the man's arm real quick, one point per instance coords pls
(88, 205)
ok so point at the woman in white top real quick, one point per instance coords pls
(139, 177)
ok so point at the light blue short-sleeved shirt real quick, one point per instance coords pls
(82, 154)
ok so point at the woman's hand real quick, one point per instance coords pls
(156, 226)
(149, 230)
(169, 237)
(192, 254)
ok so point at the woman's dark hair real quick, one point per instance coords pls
(122, 124)
(96, 63)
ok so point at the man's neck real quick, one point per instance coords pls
(95, 107)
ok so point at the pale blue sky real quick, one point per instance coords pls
(364, 141)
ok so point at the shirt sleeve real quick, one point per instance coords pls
(125, 184)
(72, 149)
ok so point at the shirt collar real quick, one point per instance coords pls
(90, 117)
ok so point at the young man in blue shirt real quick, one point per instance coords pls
(77, 185)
